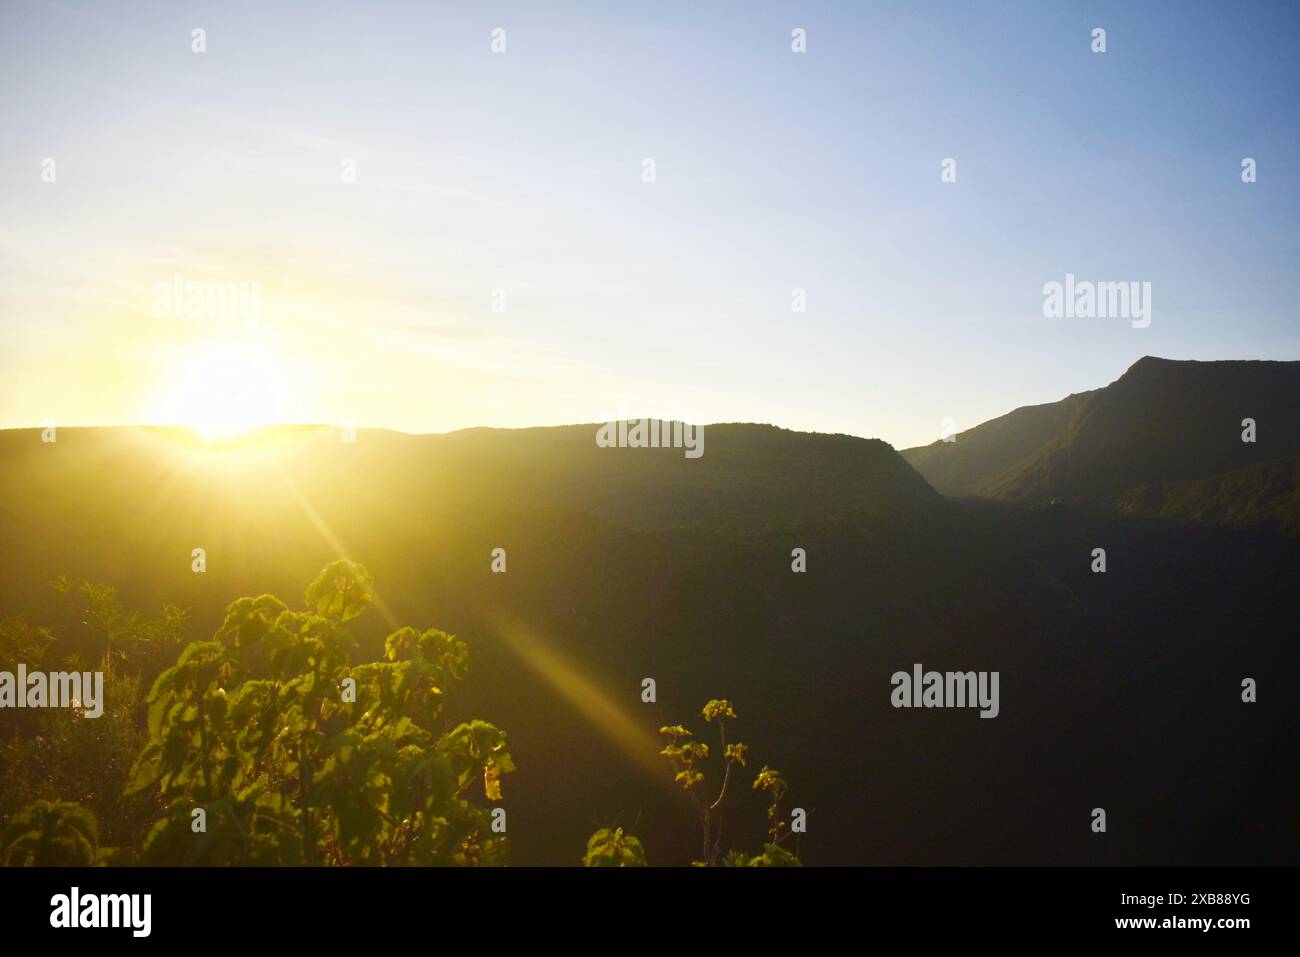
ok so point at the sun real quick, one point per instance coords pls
(222, 390)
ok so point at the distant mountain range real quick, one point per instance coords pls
(1165, 439)
(1118, 690)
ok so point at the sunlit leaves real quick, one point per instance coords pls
(249, 619)
(771, 781)
(684, 755)
(688, 757)
(20, 642)
(694, 751)
(50, 834)
(689, 752)
(187, 723)
(774, 856)
(341, 591)
(610, 847)
(128, 636)
(300, 644)
(689, 778)
(476, 749)
(402, 645)
(253, 728)
(718, 708)
(492, 782)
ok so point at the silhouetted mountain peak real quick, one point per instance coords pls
(1163, 421)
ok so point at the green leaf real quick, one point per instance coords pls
(342, 591)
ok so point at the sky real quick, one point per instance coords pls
(431, 235)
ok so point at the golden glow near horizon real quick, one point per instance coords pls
(224, 388)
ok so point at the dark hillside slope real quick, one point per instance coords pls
(963, 466)
(1162, 422)
(1117, 689)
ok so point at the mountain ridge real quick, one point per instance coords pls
(628, 563)
(1164, 422)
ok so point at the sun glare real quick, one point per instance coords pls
(222, 390)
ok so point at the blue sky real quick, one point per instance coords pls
(521, 172)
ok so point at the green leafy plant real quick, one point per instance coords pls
(137, 644)
(59, 755)
(52, 834)
(610, 847)
(294, 755)
(689, 759)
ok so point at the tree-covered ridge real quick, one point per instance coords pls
(708, 607)
(1212, 442)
